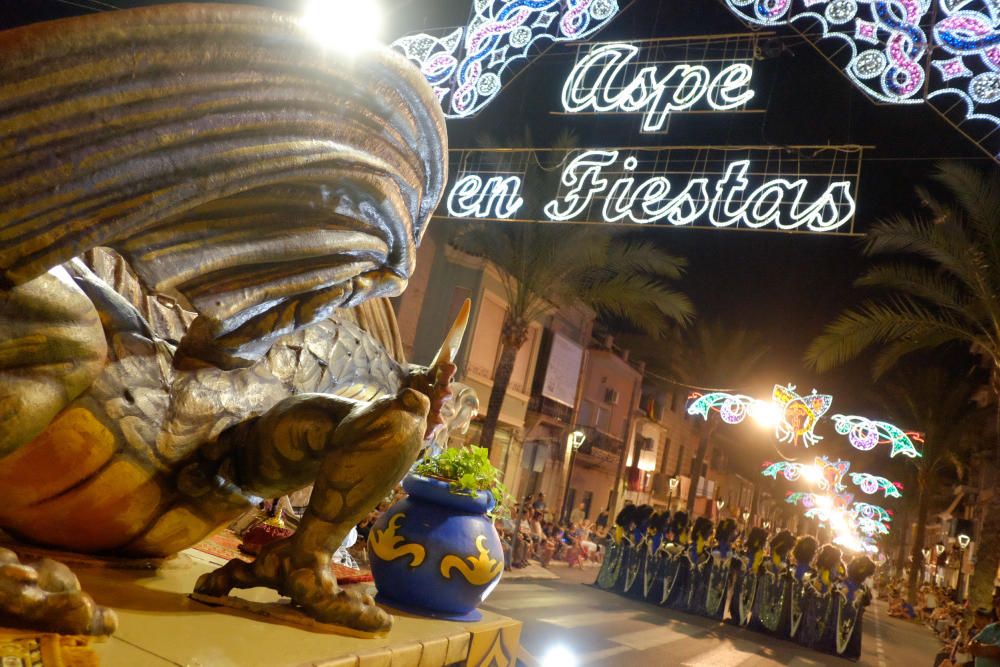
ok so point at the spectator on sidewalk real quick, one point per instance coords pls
(578, 514)
(985, 646)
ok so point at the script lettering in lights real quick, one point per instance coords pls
(494, 197)
(599, 184)
(600, 82)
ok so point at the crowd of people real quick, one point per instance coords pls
(970, 639)
(544, 538)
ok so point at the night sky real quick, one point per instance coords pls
(787, 286)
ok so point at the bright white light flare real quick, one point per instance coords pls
(765, 413)
(812, 474)
(559, 656)
(349, 26)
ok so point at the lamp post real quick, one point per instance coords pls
(720, 503)
(674, 483)
(963, 543)
(575, 440)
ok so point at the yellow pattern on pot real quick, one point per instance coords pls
(389, 546)
(483, 570)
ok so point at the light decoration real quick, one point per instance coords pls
(865, 434)
(742, 188)
(964, 540)
(872, 484)
(495, 197)
(871, 526)
(467, 67)
(597, 83)
(894, 58)
(732, 408)
(799, 414)
(807, 500)
(869, 511)
(726, 200)
(823, 473)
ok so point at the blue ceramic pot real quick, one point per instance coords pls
(435, 552)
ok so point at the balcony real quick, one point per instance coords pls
(546, 406)
(601, 447)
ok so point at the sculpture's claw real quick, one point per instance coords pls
(313, 588)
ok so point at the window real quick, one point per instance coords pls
(704, 470)
(603, 420)
(586, 413)
(680, 461)
(666, 454)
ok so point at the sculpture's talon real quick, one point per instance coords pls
(312, 591)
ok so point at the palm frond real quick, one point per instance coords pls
(899, 318)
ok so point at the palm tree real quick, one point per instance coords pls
(710, 354)
(546, 264)
(941, 407)
(942, 277)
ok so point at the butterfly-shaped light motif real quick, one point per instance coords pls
(799, 414)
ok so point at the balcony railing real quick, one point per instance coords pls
(550, 408)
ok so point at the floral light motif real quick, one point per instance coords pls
(868, 511)
(825, 474)
(799, 414)
(468, 73)
(733, 408)
(866, 434)
(890, 48)
(872, 484)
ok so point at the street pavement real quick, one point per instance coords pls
(568, 622)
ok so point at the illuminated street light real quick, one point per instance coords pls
(939, 548)
(963, 541)
(746, 515)
(765, 413)
(812, 474)
(576, 439)
(349, 26)
(720, 504)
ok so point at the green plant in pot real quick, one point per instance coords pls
(436, 552)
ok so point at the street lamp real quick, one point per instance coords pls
(767, 525)
(720, 503)
(674, 483)
(746, 515)
(939, 548)
(963, 542)
(575, 440)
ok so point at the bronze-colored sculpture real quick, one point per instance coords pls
(263, 185)
(47, 594)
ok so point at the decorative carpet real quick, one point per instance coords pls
(226, 545)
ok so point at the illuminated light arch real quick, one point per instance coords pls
(799, 414)
(680, 88)
(466, 67)
(872, 484)
(823, 473)
(732, 408)
(896, 56)
(865, 434)
(869, 511)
